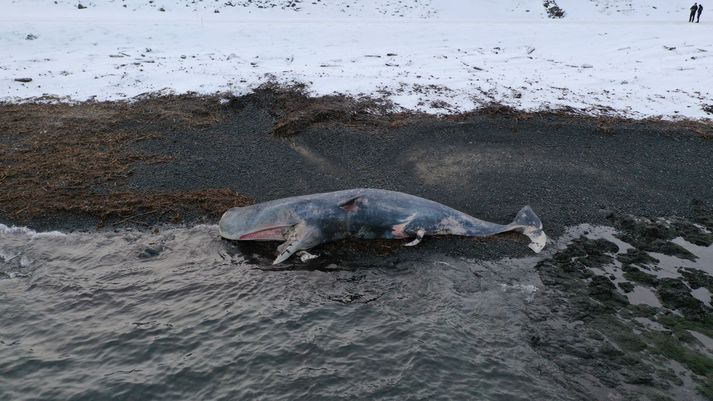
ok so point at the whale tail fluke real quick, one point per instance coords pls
(529, 224)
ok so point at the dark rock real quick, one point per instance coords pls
(632, 273)
(703, 213)
(693, 234)
(602, 289)
(150, 252)
(553, 10)
(651, 236)
(575, 261)
(626, 286)
(535, 340)
(610, 351)
(671, 249)
(641, 310)
(670, 375)
(697, 278)
(588, 252)
(633, 377)
(675, 294)
(636, 257)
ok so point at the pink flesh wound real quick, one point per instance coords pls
(398, 230)
(275, 233)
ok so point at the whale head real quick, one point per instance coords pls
(255, 223)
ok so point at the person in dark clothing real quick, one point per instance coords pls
(700, 10)
(694, 8)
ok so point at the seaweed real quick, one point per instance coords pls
(66, 158)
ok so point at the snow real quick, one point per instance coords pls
(636, 58)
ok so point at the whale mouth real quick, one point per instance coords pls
(268, 234)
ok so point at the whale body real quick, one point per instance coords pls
(303, 222)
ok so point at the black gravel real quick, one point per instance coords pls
(570, 170)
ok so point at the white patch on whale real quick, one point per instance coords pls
(451, 225)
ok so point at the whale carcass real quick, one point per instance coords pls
(303, 222)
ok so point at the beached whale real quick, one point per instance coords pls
(303, 222)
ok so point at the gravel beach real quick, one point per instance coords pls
(113, 161)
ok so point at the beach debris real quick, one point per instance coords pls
(553, 10)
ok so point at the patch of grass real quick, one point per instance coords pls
(620, 334)
(627, 339)
(679, 324)
(706, 388)
(670, 347)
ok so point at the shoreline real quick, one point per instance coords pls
(186, 159)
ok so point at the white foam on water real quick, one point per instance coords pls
(7, 256)
(15, 230)
(25, 261)
(524, 288)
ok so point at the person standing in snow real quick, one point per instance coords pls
(700, 10)
(694, 8)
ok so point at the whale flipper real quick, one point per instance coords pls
(300, 237)
(419, 236)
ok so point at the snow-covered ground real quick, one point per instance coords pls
(639, 58)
